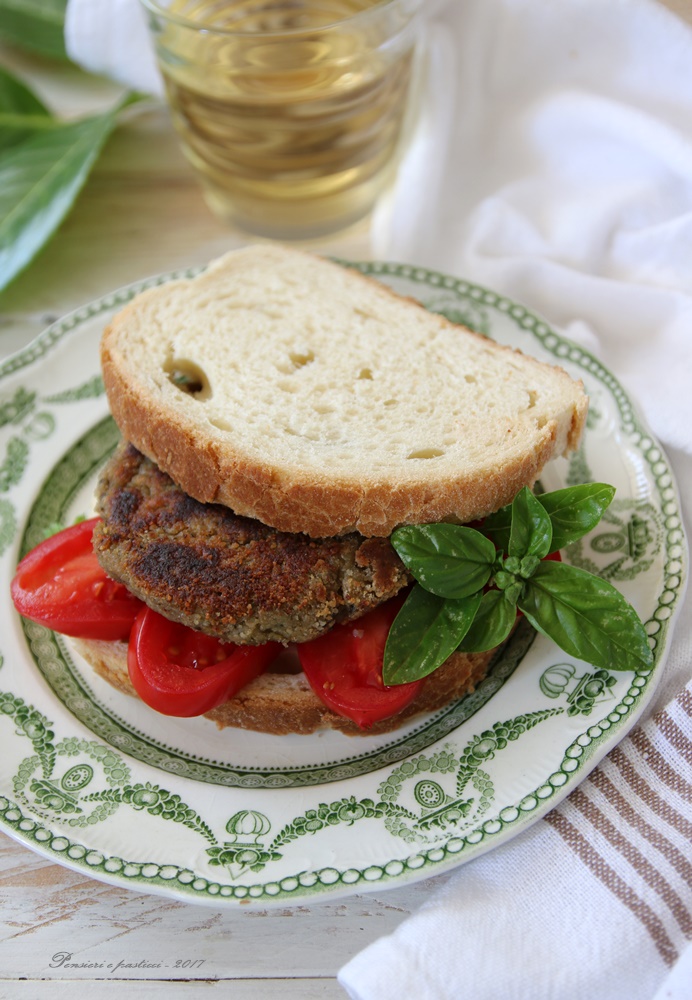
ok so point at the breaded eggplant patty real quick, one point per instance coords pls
(229, 576)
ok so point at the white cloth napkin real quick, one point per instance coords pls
(111, 38)
(553, 163)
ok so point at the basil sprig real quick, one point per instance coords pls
(470, 585)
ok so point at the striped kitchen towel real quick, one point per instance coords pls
(630, 824)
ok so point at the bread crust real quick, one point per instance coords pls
(320, 503)
(282, 703)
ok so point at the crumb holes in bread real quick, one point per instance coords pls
(471, 379)
(389, 403)
(220, 424)
(365, 373)
(294, 361)
(533, 396)
(188, 377)
(299, 359)
(303, 435)
(426, 453)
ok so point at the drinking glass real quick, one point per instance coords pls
(292, 112)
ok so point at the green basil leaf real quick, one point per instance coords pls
(449, 560)
(424, 634)
(39, 181)
(586, 616)
(575, 510)
(531, 532)
(492, 624)
(20, 111)
(38, 25)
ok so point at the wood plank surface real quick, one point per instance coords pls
(59, 924)
(259, 989)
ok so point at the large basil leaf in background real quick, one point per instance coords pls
(21, 112)
(38, 25)
(39, 181)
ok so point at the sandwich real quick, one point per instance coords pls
(281, 417)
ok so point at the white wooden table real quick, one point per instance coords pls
(141, 213)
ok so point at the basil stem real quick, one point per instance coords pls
(424, 634)
(586, 616)
(449, 560)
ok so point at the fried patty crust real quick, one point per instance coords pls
(230, 576)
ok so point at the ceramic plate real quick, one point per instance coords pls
(92, 779)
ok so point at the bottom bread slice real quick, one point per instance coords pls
(280, 703)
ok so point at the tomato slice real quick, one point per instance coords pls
(61, 585)
(344, 668)
(178, 671)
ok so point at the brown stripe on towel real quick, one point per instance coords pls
(649, 795)
(675, 736)
(655, 836)
(631, 853)
(660, 766)
(685, 699)
(609, 877)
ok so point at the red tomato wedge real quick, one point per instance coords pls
(178, 671)
(61, 585)
(344, 668)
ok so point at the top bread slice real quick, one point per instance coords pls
(301, 393)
